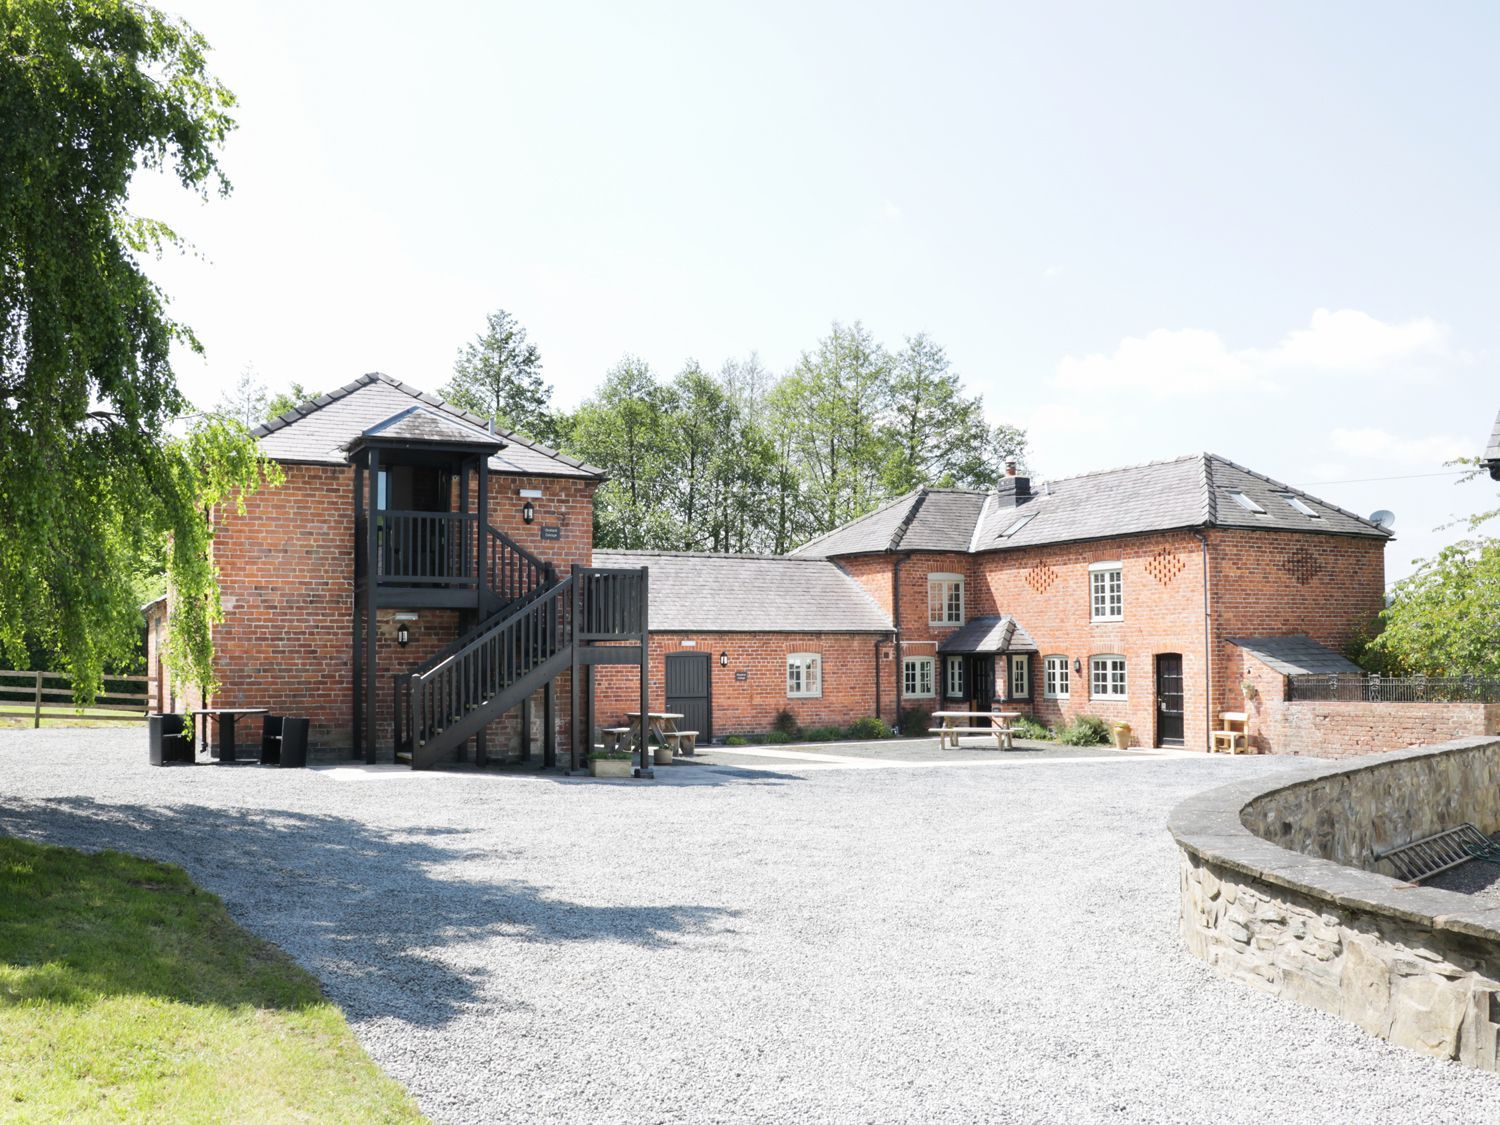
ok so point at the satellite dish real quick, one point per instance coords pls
(1384, 518)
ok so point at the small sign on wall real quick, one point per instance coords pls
(741, 677)
(551, 531)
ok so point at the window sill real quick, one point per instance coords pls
(1106, 620)
(805, 695)
(1109, 698)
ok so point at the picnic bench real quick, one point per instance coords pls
(670, 741)
(954, 723)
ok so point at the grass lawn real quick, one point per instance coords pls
(16, 716)
(127, 992)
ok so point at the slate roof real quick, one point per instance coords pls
(422, 424)
(750, 594)
(989, 634)
(315, 432)
(1295, 655)
(1193, 491)
(1492, 454)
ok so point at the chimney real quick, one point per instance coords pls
(1013, 491)
(1010, 466)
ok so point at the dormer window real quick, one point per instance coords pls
(1248, 504)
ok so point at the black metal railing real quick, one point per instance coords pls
(421, 548)
(1354, 687)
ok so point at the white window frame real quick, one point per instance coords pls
(1249, 503)
(1057, 675)
(1112, 601)
(804, 675)
(1018, 676)
(915, 664)
(939, 612)
(1297, 504)
(960, 690)
(1114, 676)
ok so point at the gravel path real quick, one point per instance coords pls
(787, 939)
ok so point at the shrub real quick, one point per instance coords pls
(777, 736)
(736, 740)
(786, 723)
(610, 756)
(823, 734)
(914, 722)
(1085, 730)
(1029, 728)
(868, 727)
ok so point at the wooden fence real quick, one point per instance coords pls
(49, 695)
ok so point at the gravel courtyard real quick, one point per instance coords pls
(821, 935)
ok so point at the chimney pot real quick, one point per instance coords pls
(1010, 466)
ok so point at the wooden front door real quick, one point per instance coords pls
(983, 673)
(689, 692)
(1169, 699)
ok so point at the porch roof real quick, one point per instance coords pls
(1295, 655)
(420, 426)
(989, 635)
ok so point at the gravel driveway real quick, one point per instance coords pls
(778, 937)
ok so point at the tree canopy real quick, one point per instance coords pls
(743, 461)
(498, 375)
(1444, 619)
(95, 489)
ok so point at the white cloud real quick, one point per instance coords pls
(1374, 444)
(1197, 362)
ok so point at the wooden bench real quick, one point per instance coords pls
(613, 736)
(1235, 734)
(1003, 735)
(687, 742)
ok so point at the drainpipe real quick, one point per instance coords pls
(1208, 655)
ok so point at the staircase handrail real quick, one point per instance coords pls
(485, 631)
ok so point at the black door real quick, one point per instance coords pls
(1169, 699)
(688, 692)
(983, 679)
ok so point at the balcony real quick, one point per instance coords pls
(422, 559)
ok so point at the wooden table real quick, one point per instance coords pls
(954, 723)
(226, 717)
(662, 724)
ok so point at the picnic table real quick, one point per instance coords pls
(954, 723)
(226, 717)
(663, 724)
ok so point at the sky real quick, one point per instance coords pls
(1267, 231)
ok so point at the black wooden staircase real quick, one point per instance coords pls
(534, 628)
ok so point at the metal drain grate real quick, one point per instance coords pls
(1424, 858)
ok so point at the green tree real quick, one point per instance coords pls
(247, 402)
(499, 376)
(1444, 619)
(91, 484)
(289, 399)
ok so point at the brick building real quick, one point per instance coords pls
(1118, 594)
(407, 588)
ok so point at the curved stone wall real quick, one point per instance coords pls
(1281, 890)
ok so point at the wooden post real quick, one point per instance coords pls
(37, 719)
(549, 722)
(644, 637)
(578, 624)
(357, 712)
(372, 604)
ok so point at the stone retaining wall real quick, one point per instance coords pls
(1280, 890)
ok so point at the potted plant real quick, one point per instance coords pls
(1122, 735)
(610, 763)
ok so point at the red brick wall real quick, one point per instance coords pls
(286, 578)
(750, 705)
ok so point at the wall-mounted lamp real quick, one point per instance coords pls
(403, 635)
(723, 660)
(528, 511)
(1077, 665)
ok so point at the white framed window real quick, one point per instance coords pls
(1020, 676)
(1106, 677)
(916, 677)
(954, 678)
(945, 599)
(804, 675)
(1106, 592)
(1055, 674)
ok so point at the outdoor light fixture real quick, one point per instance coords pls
(723, 660)
(528, 511)
(1077, 665)
(403, 635)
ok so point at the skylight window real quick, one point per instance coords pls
(1300, 505)
(1248, 504)
(1018, 525)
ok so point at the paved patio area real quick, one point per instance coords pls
(878, 932)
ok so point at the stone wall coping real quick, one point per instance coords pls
(1209, 825)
